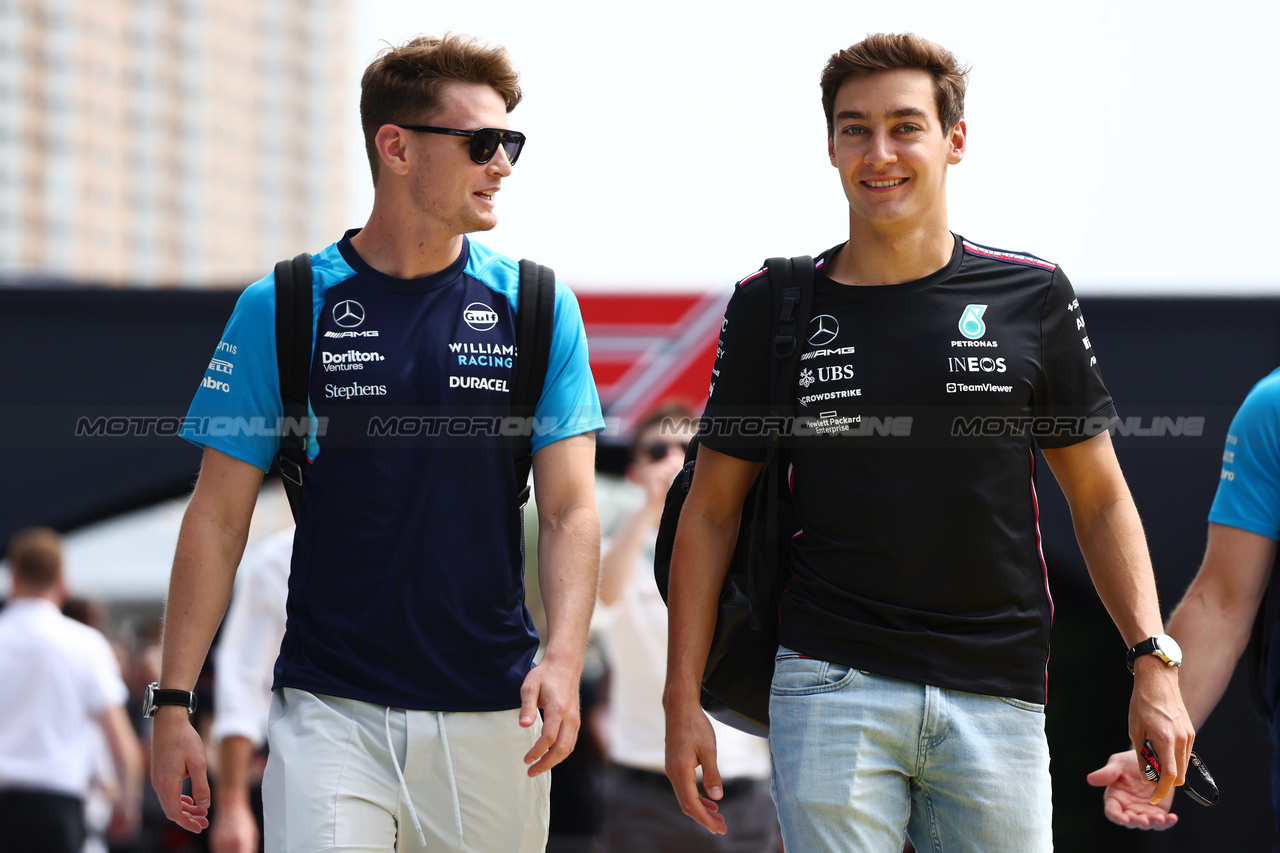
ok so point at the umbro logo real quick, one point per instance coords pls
(348, 314)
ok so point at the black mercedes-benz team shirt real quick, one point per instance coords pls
(912, 462)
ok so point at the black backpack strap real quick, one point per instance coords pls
(535, 318)
(791, 288)
(294, 323)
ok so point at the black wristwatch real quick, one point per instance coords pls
(1161, 645)
(154, 697)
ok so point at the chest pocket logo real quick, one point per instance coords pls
(971, 325)
(823, 330)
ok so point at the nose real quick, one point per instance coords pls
(879, 152)
(499, 164)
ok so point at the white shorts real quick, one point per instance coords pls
(331, 782)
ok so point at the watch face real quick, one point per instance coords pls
(1168, 649)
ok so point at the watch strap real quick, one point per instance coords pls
(1146, 647)
(157, 696)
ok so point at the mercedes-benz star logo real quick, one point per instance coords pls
(348, 314)
(823, 330)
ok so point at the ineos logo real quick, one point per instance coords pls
(480, 317)
(348, 314)
(823, 330)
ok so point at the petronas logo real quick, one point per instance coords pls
(971, 325)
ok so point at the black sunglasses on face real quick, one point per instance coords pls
(484, 142)
(658, 451)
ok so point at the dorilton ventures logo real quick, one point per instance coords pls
(348, 314)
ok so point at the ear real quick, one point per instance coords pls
(392, 144)
(958, 138)
(831, 148)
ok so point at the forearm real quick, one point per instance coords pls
(619, 561)
(235, 754)
(1214, 620)
(204, 567)
(1115, 551)
(568, 572)
(699, 562)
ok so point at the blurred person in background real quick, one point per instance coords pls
(406, 698)
(642, 814)
(248, 646)
(59, 679)
(104, 785)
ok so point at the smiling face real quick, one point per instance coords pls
(452, 191)
(892, 152)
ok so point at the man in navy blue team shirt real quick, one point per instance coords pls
(405, 712)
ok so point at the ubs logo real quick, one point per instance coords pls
(480, 317)
(348, 314)
(823, 330)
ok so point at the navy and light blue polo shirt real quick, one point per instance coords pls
(406, 587)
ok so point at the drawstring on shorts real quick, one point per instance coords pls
(404, 787)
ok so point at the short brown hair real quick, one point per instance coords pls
(888, 51)
(35, 557)
(403, 84)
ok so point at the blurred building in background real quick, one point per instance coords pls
(171, 142)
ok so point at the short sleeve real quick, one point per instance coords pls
(569, 404)
(738, 397)
(1069, 385)
(106, 688)
(1249, 486)
(237, 405)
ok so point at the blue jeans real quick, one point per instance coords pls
(860, 759)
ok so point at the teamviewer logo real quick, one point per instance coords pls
(952, 388)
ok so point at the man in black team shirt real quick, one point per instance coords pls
(909, 688)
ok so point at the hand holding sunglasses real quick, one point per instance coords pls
(484, 140)
(1199, 786)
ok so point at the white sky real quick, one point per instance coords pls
(678, 144)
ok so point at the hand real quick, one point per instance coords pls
(691, 742)
(126, 817)
(553, 687)
(1127, 798)
(1156, 713)
(235, 829)
(176, 753)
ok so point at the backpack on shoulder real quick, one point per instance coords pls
(295, 328)
(739, 670)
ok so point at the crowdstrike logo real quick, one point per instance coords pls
(348, 314)
(480, 317)
(823, 330)
(971, 325)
